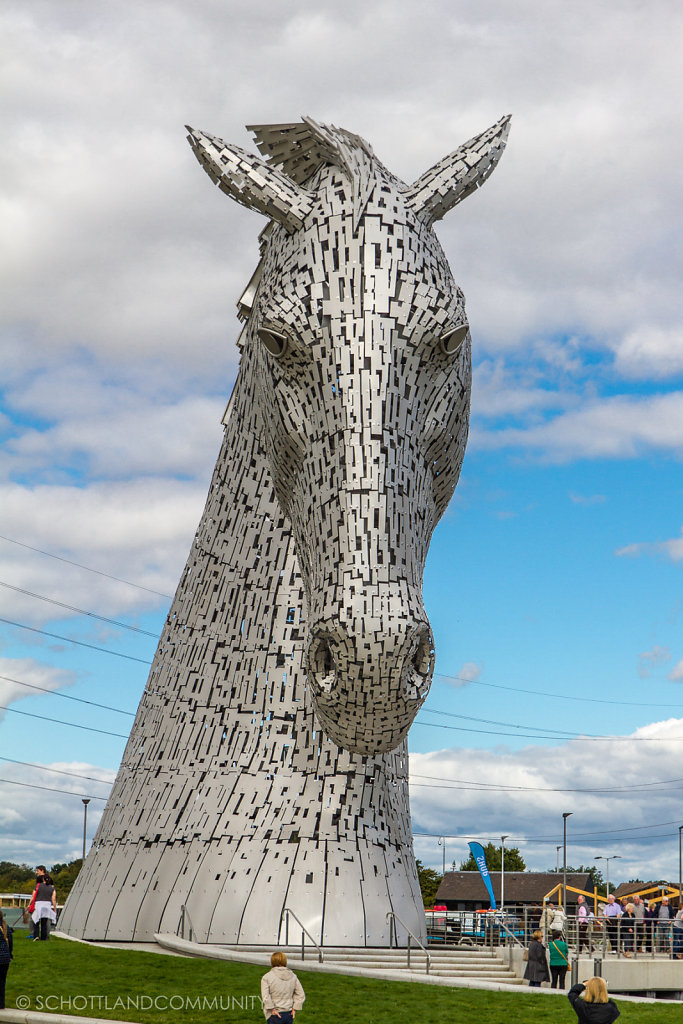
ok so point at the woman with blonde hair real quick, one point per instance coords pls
(591, 1003)
(537, 961)
(281, 991)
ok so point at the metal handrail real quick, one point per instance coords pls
(304, 931)
(501, 924)
(184, 913)
(392, 935)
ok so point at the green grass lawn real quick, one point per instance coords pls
(67, 977)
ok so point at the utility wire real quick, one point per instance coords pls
(80, 643)
(492, 787)
(613, 833)
(490, 721)
(557, 696)
(549, 736)
(80, 611)
(48, 789)
(58, 721)
(56, 771)
(87, 568)
(68, 696)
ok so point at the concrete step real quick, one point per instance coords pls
(453, 963)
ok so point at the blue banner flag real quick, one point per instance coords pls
(477, 851)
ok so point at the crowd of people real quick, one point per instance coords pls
(644, 926)
(637, 925)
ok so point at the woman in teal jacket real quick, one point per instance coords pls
(559, 959)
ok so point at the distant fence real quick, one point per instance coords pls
(515, 924)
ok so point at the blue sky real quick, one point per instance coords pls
(556, 572)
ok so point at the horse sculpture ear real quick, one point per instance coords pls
(455, 177)
(251, 181)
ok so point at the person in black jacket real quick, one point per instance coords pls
(537, 964)
(591, 1003)
(5, 956)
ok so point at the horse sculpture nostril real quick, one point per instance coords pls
(321, 665)
(423, 656)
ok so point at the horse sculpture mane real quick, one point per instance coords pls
(266, 770)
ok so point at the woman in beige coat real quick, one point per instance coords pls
(281, 992)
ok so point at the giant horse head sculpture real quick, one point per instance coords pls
(358, 341)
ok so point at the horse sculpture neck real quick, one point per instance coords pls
(230, 801)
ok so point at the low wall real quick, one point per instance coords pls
(646, 974)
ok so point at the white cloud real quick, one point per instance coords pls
(180, 438)
(672, 549)
(676, 674)
(621, 427)
(649, 660)
(45, 824)
(136, 530)
(15, 672)
(467, 674)
(651, 352)
(588, 499)
(450, 794)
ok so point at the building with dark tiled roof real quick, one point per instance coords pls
(465, 890)
(648, 890)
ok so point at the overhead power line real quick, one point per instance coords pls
(58, 721)
(87, 568)
(464, 785)
(557, 696)
(550, 736)
(80, 643)
(56, 771)
(613, 833)
(49, 789)
(68, 696)
(80, 611)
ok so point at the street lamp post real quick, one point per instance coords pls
(442, 842)
(680, 869)
(86, 801)
(566, 815)
(615, 856)
(502, 871)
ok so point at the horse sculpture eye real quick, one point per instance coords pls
(452, 340)
(274, 342)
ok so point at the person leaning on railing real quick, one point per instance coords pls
(584, 916)
(678, 935)
(628, 929)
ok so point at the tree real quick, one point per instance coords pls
(21, 878)
(16, 877)
(64, 876)
(513, 859)
(430, 880)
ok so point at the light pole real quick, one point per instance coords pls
(566, 815)
(86, 801)
(502, 871)
(615, 856)
(680, 869)
(442, 842)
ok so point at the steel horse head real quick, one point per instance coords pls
(359, 345)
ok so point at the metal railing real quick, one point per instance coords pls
(392, 918)
(625, 937)
(184, 913)
(304, 931)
